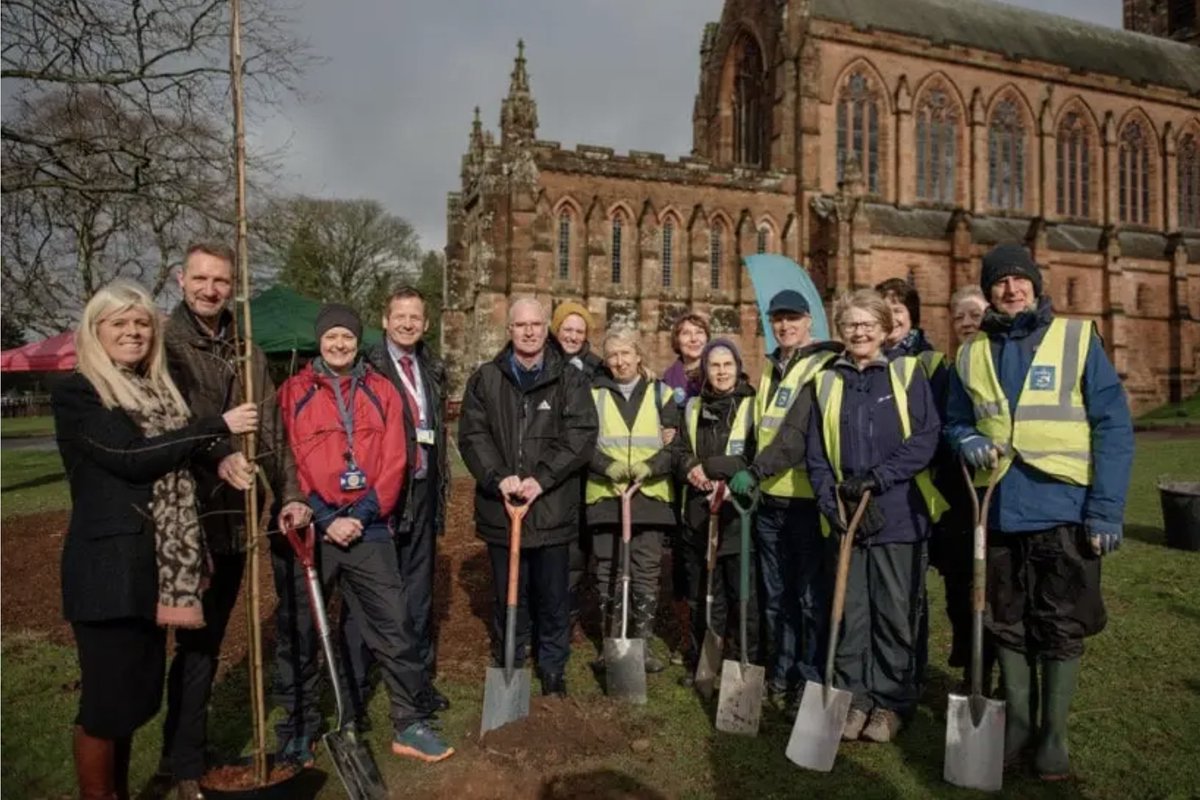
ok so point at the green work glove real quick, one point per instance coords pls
(617, 472)
(640, 472)
(742, 483)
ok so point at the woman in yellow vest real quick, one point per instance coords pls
(638, 418)
(716, 440)
(877, 429)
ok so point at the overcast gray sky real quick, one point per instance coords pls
(387, 116)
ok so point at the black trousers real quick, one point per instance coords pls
(190, 678)
(1044, 592)
(297, 674)
(725, 606)
(542, 599)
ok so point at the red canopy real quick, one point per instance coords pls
(56, 354)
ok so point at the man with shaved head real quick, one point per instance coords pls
(527, 429)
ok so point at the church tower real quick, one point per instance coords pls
(1171, 19)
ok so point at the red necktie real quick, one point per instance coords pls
(406, 364)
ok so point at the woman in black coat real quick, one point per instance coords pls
(133, 560)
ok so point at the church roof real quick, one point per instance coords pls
(1025, 33)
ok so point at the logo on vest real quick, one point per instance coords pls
(737, 448)
(544, 405)
(1042, 378)
(680, 396)
(782, 396)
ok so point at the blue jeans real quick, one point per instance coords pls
(796, 578)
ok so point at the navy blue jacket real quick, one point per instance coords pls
(1027, 499)
(873, 443)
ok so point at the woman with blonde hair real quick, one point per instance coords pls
(133, 560)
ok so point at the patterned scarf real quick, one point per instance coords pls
(178, 538)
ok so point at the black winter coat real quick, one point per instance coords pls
(546, 432)
(712, 434)
(646, 512)
(109, 567)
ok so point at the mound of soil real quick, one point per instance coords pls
(559, 729)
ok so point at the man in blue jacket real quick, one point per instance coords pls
(1036, 397)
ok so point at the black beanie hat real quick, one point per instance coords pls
(1009, 259)
(337, 315)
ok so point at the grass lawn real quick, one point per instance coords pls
(32, 481)
(1186, 412)
(1132, 733)
(26, 427)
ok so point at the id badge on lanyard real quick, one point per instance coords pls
(424, 432)
(353, 479)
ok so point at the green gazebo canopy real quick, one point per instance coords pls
(284, 322)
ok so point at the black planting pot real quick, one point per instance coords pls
(303, 783)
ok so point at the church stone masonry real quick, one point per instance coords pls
(865, 140)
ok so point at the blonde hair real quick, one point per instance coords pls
(112, 384)
(623, 334)
(867, 300)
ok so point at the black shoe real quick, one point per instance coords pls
(554, 685)
(435, 701)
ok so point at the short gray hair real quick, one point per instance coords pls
(971, 292)
(527, 301)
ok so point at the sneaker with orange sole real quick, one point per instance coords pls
(421, 742)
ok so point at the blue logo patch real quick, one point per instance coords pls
(782, 397)
(1042, 378)
(680, 396)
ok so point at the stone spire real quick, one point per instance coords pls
(476, 133)
(518, 112)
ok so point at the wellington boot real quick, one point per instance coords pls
(1019, 676)
(1059, 679)
(95, 766)
(645, 609)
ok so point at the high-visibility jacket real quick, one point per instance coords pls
(930, 361)
(830, 387)
(629, 445)
(739, 431)
(769, 417)
(1049, 429)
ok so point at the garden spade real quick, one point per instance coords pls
(710, 651)
(974, 723)
(823, 709)
(739, 706)
(625, 658)
(352, 760)
(506, 689)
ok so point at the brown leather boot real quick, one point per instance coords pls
(95, 766)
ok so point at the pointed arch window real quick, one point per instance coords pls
(564, 246)
(749, 104)
(1188, 166)
(668, 254)
(937, 146)
(764, 239)
(716, 254)
(1006, 157)
(858, 129)
(1133, 171)
(1074, 178)
(618, 225)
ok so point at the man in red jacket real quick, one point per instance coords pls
(346, 428)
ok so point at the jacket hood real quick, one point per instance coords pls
(1020, 325)
(740, 389)
(914, 342)
(604, 380)
(828, 346)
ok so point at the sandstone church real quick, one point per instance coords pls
(866, 139)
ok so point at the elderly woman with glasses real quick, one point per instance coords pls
(876, 430)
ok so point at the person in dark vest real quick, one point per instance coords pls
(1035, 397)
(527, 430)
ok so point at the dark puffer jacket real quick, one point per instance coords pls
(546, 431)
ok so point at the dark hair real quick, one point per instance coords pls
(904, 293)
(404, 293)
(693, 318)
(215, 249)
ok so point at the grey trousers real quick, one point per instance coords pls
(877, 652)
(645, 567)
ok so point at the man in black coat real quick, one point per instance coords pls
(528, 426)
(420, 377)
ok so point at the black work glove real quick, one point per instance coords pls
(851, 490)
(872, 522)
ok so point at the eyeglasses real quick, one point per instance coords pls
(865, 327)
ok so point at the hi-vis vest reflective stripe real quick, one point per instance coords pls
(830, 386)
(930, 361)
(629, 445)
(768, 419)
(738, 432)
(1049, 429)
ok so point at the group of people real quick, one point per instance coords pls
(355, 444)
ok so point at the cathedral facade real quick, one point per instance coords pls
(866, 140)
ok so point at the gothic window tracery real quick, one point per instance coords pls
(668, 254)
(937, 146)
(615, 253)
(1188, 166)
(1006, 157)
(716, 253)
(1133, 171)
(749, 104)
(564, 245)
(1074, 164)
(858, 129)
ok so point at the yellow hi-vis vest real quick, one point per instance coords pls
(1049, 429)
(739, 431)
(930, 360)
(768, 419)
(629, 445)
(830, 386)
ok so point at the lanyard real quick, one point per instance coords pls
(346, 412)
(418, 396)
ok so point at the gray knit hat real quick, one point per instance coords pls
(337, 315)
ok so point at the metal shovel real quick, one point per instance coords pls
(817, 731)
(351, 758)
(974, 723)
(739, 706)
(625, 658)
(506, 689)
(710, 652)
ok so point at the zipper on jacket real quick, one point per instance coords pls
(521, 432)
